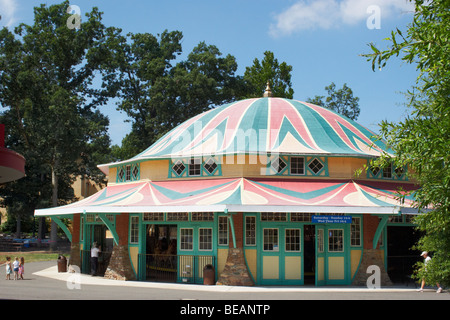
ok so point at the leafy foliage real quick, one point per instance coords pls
(421, 140)
(341, 101)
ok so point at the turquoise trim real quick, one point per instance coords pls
(110, 226)
(203, 172)
(195, 251)
(230, 218)
(307, 159)
(63, 227)
(133, 177)
(380, 229)
(282, 253)
(379, 175)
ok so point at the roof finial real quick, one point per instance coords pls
(268, 92)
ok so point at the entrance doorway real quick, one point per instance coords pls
(161, 253)
(309, 254)
(400, 256)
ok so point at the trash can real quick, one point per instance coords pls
(209, 275)
(62, 264)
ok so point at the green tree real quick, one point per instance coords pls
(341, 101)
(157, 93)
(421, 141)
(269, 70)
(46, 76)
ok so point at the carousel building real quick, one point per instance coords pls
(264, 191)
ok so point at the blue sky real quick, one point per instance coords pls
(321, 39)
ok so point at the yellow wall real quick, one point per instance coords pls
(222, 255)
(134, 257)
(251, 258)
(336, 268)
(355, 258)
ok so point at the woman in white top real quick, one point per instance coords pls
(427, 259)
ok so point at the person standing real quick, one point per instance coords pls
(427, 259)
(94, 258)
(16, 268)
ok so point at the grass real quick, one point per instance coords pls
(31, 256)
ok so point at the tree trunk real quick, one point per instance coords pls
(54, 226)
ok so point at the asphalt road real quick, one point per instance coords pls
(176, 300)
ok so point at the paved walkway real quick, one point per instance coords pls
(73, 279)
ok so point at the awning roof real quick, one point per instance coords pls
(242, 195)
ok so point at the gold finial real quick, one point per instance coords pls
(268, 92)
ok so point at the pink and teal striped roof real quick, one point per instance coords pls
(243, 195)
(266, 125)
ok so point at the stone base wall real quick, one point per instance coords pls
(371, 257)
(235, 272)
(119, 267)
(75, 255)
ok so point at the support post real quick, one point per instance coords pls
(230, 219)
(60, 224)
(110, 226)
(379, 230)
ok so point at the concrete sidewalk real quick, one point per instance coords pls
(73, 279)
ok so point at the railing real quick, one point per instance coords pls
(103, 261)
(174, 268)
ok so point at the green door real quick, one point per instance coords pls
(320, 255)
(332, 254)
(281, 255)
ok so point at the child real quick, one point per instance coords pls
(21, 267)
(8, 268)
(16, 268)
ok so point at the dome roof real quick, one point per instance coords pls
(266, 126)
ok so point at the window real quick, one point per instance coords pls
(134, 230)
(202, 216)
(177, 216)
(278, 165)
(223, 230)
(205, 239)
(178, 168)
(153, 216)
(270, 241)
(320, 243)
(336, 240)
(301, 217)
(194, 167)
(297, 165)
(120, 174)
(374, 170)
(387, 171)
(273, 216)
(129, 172)
(315, 166)
(210, 166)
(355, 237)
(250, 231)
(292, 239)
(186, 239)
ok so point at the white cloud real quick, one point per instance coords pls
(7, 10)
(326, 14)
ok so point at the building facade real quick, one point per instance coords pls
(264, 191)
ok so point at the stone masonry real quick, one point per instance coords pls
(371, 257)
(235, 272)
(119, 267)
